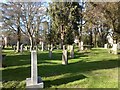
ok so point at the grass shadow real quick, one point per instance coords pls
(65, 80)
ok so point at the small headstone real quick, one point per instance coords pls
(105, 46)
(14, 47)
(114, 49)
(71, 51)
(64, 56)
(42, 46)
(50, 53)
(82, 45)
(34, 81)
(21, 48)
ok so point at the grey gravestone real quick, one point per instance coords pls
(34, 81)
(14, 47)
(114, 49)
(71, 51)
(50, 53)
(118, 45)
(21, 48)
(81, 45)
(64, 56)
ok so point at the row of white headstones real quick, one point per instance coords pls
(114, 49)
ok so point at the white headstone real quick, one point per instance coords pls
(34, 81)
(82, 45)
(114, 49)
(21, 47)
(64, 56)
(71, 51)
(105, 46)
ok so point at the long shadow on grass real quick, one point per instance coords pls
(48, 70)
(64, 80)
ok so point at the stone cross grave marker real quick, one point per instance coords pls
(34, 81)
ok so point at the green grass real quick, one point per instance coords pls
(95, 68)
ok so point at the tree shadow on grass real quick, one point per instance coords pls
(64, 80)
(22, 73)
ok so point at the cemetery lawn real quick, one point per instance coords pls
(94, 68)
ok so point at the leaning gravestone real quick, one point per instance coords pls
(34, 81)
(114, 49)
(71, 51)
(64, 56)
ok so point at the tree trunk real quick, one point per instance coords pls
(18, 39)
(91, 38)
(62, 36)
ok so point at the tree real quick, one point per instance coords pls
(31, 18)
(65, 19)
(11, 13)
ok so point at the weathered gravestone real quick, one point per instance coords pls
(71, 51)
(34, 81)
(21, 47)
(50, 53)
(14, 48)
(105, 46)
(64, 56)
(114, 49)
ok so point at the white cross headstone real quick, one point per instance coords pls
(34, 81)
(64, 56)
